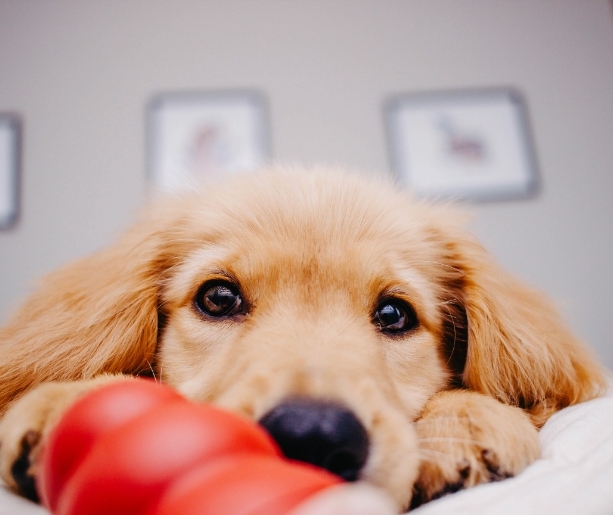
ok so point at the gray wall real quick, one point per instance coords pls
(80, 74)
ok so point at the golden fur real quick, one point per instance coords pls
(312, 252)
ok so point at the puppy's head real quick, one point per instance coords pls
(319, 298)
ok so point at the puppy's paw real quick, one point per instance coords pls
(23, 431)
(26, 425)
(466, 439)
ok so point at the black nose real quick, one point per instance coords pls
(324, 434)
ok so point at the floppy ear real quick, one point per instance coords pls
(98, 315)
(519, 350)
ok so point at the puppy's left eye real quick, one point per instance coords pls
(395, 316)
(219, 299)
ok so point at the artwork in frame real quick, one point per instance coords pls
(195, 136)
(10, 143)
(470, 145)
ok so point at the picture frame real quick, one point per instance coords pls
(10, 164)
(199, 135)
(472, 145)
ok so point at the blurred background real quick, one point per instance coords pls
(80, 75)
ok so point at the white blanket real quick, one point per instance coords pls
(574, 475)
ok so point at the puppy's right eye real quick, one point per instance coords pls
(219, 299)
(395, 316)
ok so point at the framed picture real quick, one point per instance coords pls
(193, 136)
(10, 143)
(468, 145)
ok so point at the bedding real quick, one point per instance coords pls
(574, 475)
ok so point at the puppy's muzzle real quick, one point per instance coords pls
(324, 434)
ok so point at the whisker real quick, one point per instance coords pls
(152, 371)
(431, 420)
(432, 454)
(450, 440)
(445, 265)
(455, 333)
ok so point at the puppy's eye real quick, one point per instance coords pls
(219, 299)
(395, 316)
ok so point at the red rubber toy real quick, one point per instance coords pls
(139, 448)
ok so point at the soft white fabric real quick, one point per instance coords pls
(574, 475)
(11, 504)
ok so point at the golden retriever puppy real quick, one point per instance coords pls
(367, 332)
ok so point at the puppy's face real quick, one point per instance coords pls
(306, 294)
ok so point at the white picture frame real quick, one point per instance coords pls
(472, 145)
(193, 136)
(10, 159)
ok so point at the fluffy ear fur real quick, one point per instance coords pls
(519, 350)
(97, 315)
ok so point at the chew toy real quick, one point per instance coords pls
(139, 448)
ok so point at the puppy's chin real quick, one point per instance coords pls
(394, 463)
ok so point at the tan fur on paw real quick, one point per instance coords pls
(26, 425)
(467, 439)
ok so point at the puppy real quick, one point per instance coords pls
(369, 333)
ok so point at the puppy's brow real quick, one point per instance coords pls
(219, 273)
(437, 263)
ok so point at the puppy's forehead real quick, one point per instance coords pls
(322, 211)
(328, 232)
